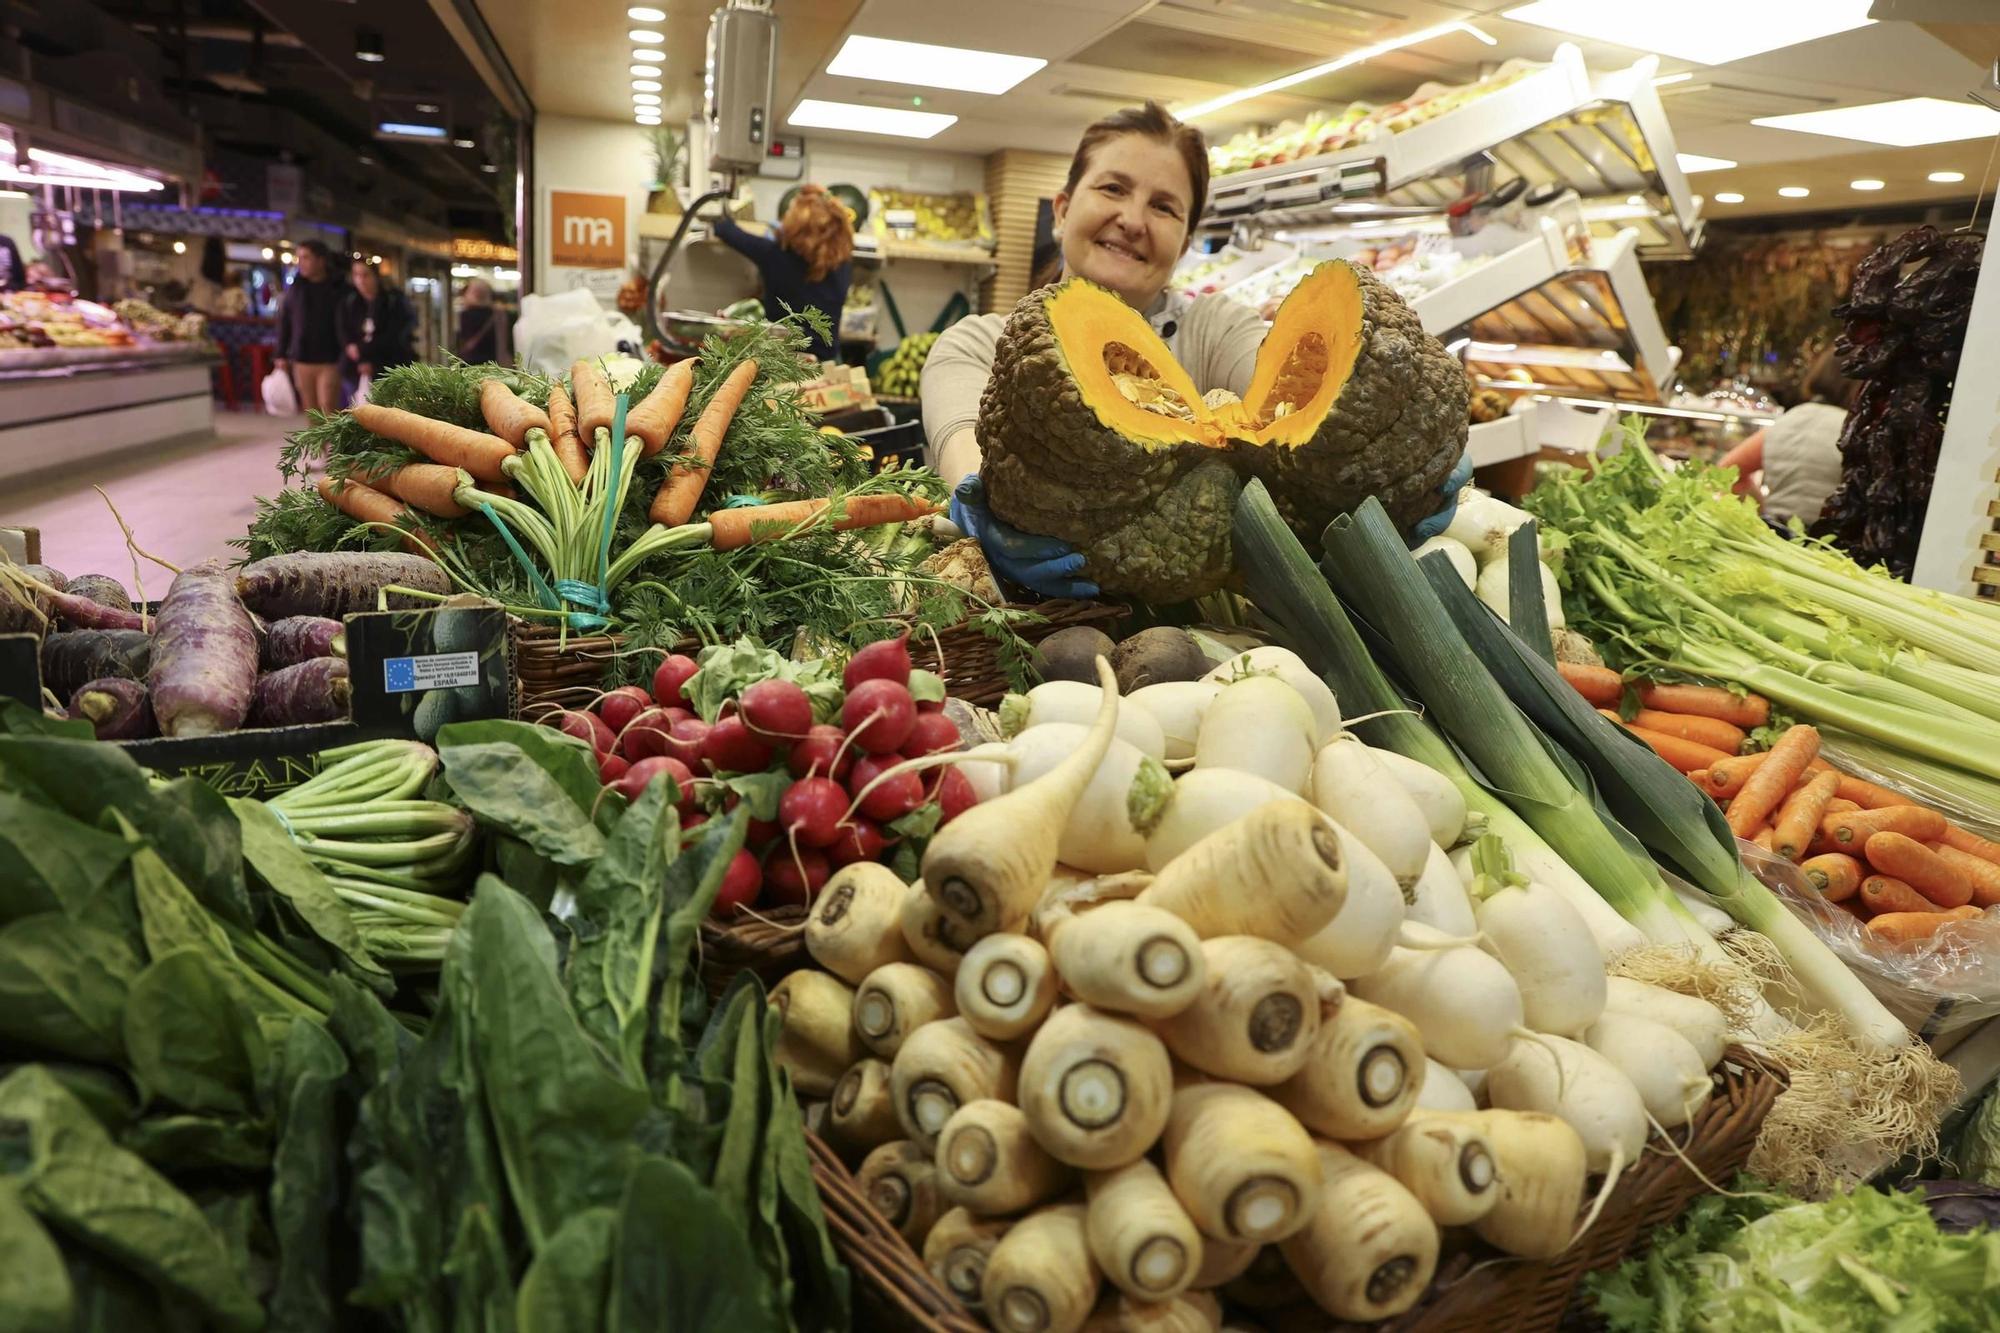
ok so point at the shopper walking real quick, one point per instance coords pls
(205, 292)
(309, 329)
(807, 262)
(1123, 219)
(377, 326)
(1799, 453)
(483, 331)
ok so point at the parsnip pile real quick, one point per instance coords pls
(1248, 1018)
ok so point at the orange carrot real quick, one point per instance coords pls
(1869, 796)
(562, 435)
(1837, 806)
(1745, 710)
(731, 528)
(596, 405)
(477, 452)
(1885, 893)
(1687, 756)
(431, 487)
(1853, 829)
(674, 503)
(507, 415)
(1710, 731)
(1798, 818)
(654, 419)
(1971, 844)
(1600, 685)
(1983, 875)
(1727, 778)
(1773, 780)
(1919, 867)
(1765, 838)
(1906, 927)
(368, 505)
(1836, 875)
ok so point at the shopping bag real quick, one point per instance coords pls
(280, 398)
(361, 387)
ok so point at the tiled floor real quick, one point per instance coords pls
(184, 504)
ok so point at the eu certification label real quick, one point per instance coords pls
(403, 675)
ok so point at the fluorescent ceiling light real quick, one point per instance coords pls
(1864, 185)
(1707, 32)
(23, 194)
(954, 67)
(1904, 124)
(1793, 191)
(646, 36)
(412, 131)
(1342, 62)
(1947, 177)
(651, 57)
(645, 85)
(427, 108)
(1693, 162)
(462, 143)
(644, 72)
(83, 172)
(1666, 79)
(1728, 197)
(813, 114)
(645, 99)
(644, 14)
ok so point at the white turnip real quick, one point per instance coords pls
(1464, 1002)
(1664, 1066)
(1258, 724)
(1436, 795)
(1075, 702)
(1289, 667)
(1705, 1027)
(1096, 830)
(1178, 705)
(1357, 792)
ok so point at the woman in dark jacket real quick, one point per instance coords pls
(377, 326)
(808, 261)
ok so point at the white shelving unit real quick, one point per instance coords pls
(1501, 441)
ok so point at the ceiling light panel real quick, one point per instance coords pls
(653, 57)
(1864, 185)
(1793, 192)
(1693, 162)
(1903, 124)
(1707, 32)
(1728, 197)
(813, 114)
(1946, 177)
(957, 68)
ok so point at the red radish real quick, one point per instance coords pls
(933, 733)
(859, 840)
(885, 659)
(645, 772)
(670, 678)
(645, 736)
(610, 768)
(685, 740)
(740, 884)
(760, 831)
(955, 795)
(891, 798)
(619, 707)
(588, 728)
(777, 710)
(731, 747)
(811, 810)
(823, 751)
(879, 714)
(793, 877)
(689, 823)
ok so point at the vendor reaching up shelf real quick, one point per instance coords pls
(807, 261)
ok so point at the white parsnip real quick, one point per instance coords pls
(861, 1115)
(1364, 1073)
(1040, 1278)
(935, 939)
(1253, 1020)
(1276, 872)
(1096, 1088)
(957, 1248)
(1368, 1249)
(941, 1067)
(900, 1183)
(1542, 1172)
(856, 924)
(1140, 1236)
(1444, 1160)
(1222, 1262)
(816, 1042)
(1127, 958)
(1240, 1164)
(895, 1000)
(989, 1163)
(1005, 987)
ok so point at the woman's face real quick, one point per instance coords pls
(1127, 223)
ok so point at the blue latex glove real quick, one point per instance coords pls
(1434, 525)
(1040, 564)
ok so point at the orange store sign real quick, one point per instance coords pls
(586, 230)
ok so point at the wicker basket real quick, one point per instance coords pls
(1477, 1290)
(553, 670)
(969, 661)
(769, 944)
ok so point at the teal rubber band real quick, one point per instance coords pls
(584, 594)
(744, 502)
(611, 511)
(534, 575)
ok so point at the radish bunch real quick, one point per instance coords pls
(824, 791)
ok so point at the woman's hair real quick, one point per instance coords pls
(818, 229)
(214, 260)
(1158, 124)
(1823, 381)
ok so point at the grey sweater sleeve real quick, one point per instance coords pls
(955, 375)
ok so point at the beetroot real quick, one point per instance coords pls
(824, 751)
(645, 736)
(117, 710)
(731, 747)
(879, 714)
(885, 659)
(315, 691)
(644, 772)
(670, 679)
(619, 707)
(777, 709)
(859, 840)
(811, 810)
(793, 877)
(932, 733)
(954, 796)
(611, 767)
(204, 665)
(297, 639)
(588, 728)
(740, 883)
(891, 798)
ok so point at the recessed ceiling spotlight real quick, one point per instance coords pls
(1793, 191)
(368, 46)
(645, 85)
(1728, 197)
(1946, 177)
(462, 143)
(1864, 185)
(647, 36)
(651, 57)
(645, 14)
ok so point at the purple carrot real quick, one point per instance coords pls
(308, 583)
(315, 691)
(297, 639)
(82, 613)
(73, 658)
(40, 580)
(117, 710)
(101, 589)
(204, 654)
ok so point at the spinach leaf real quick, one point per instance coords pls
(183, 1143)
(63, 987)
(111, 1300)
(692, 882)
(105, 1093)
(745, 1177)
(568, 1285)
(675, 1268)
(615, 925)
(188, 1039)
(561, 1117)
(306, 1182)
(824, 1286)
(35, 1292)
(51, 862)
(238, 1217)
(284, 870)
(17, 719)
(170, 917)
(567, 760)
(482, 1293)
(71, 1174)
(501, 785)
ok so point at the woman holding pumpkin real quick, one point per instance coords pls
(1123, 219)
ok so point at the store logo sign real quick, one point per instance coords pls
(586, 230)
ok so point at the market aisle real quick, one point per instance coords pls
(184, 504)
